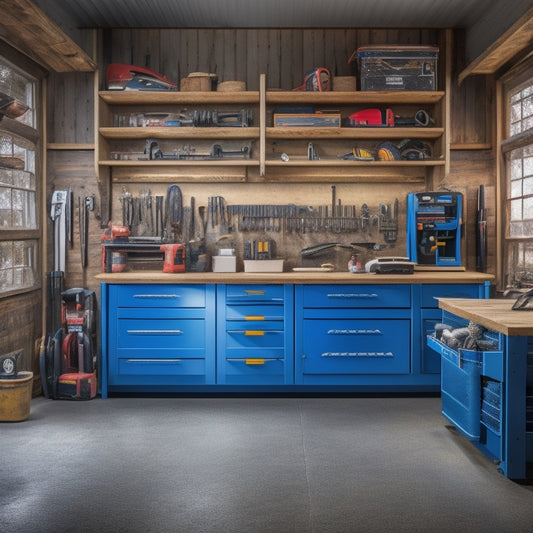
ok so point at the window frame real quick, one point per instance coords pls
(29, 135)
(510, 82)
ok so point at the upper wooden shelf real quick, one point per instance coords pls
(170, 132)
(178, 97)
(354, 97)
(352, 133)
(272, 97)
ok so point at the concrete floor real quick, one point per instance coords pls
(225, 465)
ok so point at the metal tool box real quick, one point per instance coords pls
(408, 68)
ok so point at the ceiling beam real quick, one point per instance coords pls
(25, 27)
(514, 41)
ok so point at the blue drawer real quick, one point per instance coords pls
(255, 313)
(364, 296)
(254, 293)
(356, 346)
(460, 387)
(255, 338)
(159, 367)
(430, 293)
(254, 371)
(157, 295)
(161, 336)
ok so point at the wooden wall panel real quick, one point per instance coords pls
(20, 328)
(70, 104)
(285, 55)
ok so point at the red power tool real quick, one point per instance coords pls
(174, 257)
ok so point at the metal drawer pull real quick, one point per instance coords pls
(254, 317)
(157, 296)
(251, 332)
(256, 291)
(254, 360)
(351, 295)
(154, 360)
(355, 332)
(357, 354)
(155, 332)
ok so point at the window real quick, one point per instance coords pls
(19, 222)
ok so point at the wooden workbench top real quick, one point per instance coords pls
(446, 277)
(495, 314)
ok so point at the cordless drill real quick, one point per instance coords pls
(174, 257)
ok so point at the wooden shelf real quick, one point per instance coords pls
(335, 162)
(177, 97)
(168, 132)
(354, 97)
(353, 133)
(269, 140)
(180, 163)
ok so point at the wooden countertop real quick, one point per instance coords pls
(495, 314)
(446, 277)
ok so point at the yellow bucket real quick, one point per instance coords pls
(15, 397)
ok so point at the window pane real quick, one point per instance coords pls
(516, 209)
(18, 265)
(17, 202)
(516, 166)
(516, 189)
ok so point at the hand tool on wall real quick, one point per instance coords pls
(159, 224)
(388, 222)
(481, 231)
(58, 215)
(85, 205)
(174, 210)
(69, 227)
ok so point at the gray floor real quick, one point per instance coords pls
(250, 465)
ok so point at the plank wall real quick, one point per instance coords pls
(284, 55)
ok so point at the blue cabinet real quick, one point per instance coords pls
(487, 395)
(157, 337)
(161, 337)
(255, 335)
(352, 334)
(371, 336)
(430, 314)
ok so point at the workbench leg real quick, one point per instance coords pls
(513, 464)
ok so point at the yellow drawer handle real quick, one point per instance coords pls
(256, 291)
(254, 332)
(254, 317)
(255, 361)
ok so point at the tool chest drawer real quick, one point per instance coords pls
(255, 335)
(157, 337)
(363, 296)
(161, 336)
(254, 293)
(254, 370)
(157, 295)
(255, 313)
(254, 338)
(430, 293)
(149, 367)
(355, 346)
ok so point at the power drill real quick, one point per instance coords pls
(174, 257)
